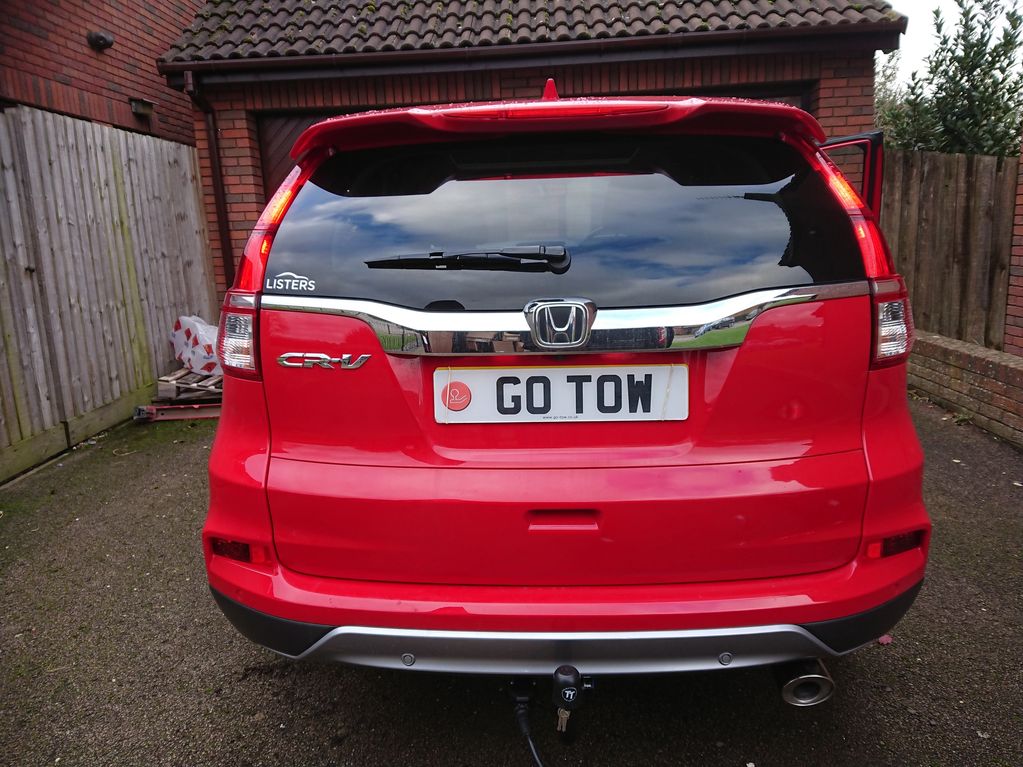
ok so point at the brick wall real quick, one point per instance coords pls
(1014, 310)
(840, 88)
(844, 105)
(844, 98)
(984, 384)
(45, 61)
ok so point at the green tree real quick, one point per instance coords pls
(969, 99)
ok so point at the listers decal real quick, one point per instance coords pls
(290, 281)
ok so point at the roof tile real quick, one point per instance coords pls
(257, 28)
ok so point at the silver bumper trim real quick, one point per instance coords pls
(495, 652)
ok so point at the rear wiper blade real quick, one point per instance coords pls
(528, 258)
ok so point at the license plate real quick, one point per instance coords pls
(525, 394)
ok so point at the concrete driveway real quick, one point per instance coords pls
(113, 653)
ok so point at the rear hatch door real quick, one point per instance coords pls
(560, 360)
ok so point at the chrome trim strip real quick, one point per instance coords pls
(497, 652)
(399, 315)
(715, 324)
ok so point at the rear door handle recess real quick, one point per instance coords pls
(563, 520)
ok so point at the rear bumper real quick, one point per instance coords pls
(608, 652)
(857, 587)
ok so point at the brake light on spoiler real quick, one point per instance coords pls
(556, 110)
(412, 125)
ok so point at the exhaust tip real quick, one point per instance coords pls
(805, 683)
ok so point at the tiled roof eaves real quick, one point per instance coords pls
(244, 29)
(867, 33)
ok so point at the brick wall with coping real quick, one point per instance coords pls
(983, 383)
(46, 62)
(838, 88)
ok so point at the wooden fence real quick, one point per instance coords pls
(103, 246)
(948, 220)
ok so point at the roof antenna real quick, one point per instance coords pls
(550, 90)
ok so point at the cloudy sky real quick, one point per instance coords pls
(919, 38)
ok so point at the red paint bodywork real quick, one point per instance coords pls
(758, 509)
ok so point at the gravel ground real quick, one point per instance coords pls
(113, 653)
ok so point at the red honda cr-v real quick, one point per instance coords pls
(617, 383)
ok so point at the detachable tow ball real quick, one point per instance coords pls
(570, 691)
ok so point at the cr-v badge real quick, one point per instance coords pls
(315, 359)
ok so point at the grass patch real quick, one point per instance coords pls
(732, 336)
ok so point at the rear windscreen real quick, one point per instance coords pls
(625, 221)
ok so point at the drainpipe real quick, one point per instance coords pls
(219, 199)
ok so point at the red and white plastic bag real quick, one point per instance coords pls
(195, 344)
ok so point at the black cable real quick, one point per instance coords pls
(522, 717)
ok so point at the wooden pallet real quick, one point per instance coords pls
(186, 386)
(196, 411)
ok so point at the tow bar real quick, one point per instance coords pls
(570, 688)
(802, 683)
(569, 693)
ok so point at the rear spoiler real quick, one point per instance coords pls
(420, 125)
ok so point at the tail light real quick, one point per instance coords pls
(877, 259)
(236, 340)
(257, 249)
(892, 318)
(893, 321)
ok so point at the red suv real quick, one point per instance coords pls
(617, 383)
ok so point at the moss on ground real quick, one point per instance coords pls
(39, 503)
